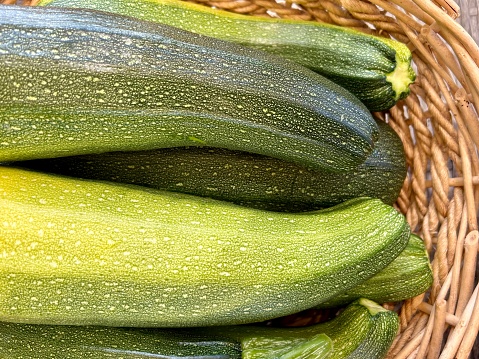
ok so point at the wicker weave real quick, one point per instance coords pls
(438, 124)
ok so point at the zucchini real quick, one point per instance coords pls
(377, 70)
(83, 252)
(82, 81)
(361, 325)
(244, 178)
(28, 341)
(381, 335)
(409, 275)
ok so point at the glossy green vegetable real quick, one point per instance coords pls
(362, 328)
(244, 178)
(28, 341)
(377, 70)
(380, 337)
(409, 275)
(32, 341)
(83, 81)
(363, 325)
(85, 252)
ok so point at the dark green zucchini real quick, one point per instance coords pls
(409, 275)
(84, 252)
(244, 178)
(361, 325)
(29, 341)
(82, 81)
(377, 70)
(381, 335)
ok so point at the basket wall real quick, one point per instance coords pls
(438, 124)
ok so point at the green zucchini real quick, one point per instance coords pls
(29, 341)
(244, 178)
(381, 335)
(83, 81)
(361, 325)
(377, 70)
(409, 275)
(98, 253)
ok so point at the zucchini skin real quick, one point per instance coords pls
(363, 325)
(84, 81)
(380, 337)
(244, 178)
(29, 341)
(361, 63)
(409, 275)
(360, 326)
(98, 253)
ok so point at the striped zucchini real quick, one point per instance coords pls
(409, 275)
(244, 178)
(362, 325)
(88, 252)
(82, 81)
(377, 70)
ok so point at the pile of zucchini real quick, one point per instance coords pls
(167, 193)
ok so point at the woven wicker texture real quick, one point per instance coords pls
(438, 124)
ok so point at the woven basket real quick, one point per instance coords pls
(438, 124)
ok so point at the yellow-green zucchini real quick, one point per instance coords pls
(244, 178)
(409, 275)
(377, 70)
(83, 81)
(90, 252)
